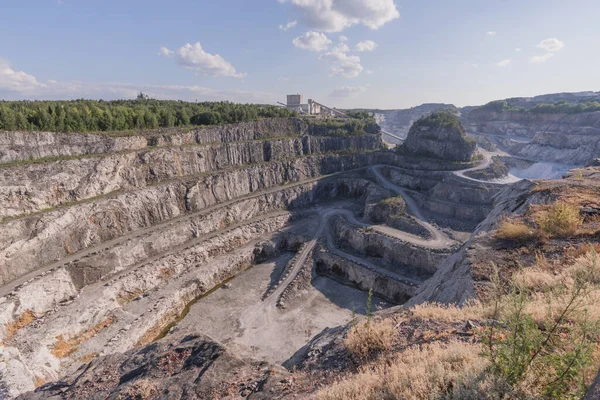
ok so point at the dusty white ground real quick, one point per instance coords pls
(237, 317)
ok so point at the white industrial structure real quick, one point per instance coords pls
(295, 103)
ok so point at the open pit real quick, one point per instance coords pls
(257, 235)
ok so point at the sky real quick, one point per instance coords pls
(344, 53)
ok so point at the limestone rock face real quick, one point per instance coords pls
(595, 163)
(435, 138)
(562, 138)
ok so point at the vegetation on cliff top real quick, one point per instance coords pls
(440, 119)
(561, 107)
(354, 126)
(122, 115)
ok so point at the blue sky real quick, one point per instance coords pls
(464, 52)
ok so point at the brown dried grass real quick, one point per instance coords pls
(369, 338)
(516, 231)
(560, 219)
(432, 371)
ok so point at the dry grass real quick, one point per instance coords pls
(560, 219)
(448, 313)
(537, 279)
(582, 249)
(552, 291)
(369, 338)
(431, 372)
(516, 231)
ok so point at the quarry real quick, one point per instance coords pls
(217, 261)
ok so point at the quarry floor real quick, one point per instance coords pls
(236, 315)
(272, 334)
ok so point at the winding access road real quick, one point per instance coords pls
(438, 241)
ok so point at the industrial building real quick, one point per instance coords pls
(296, 103)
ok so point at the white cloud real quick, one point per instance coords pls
(343, 64)
(518, 49)
(369, 72)
(366, 45)
(490, 33)
(17, 81)
(503, 63)
(165, 52)
(287, 26)
(19, 85)
(475, 65)
(348, 91)
(284, 78)
(336, 15)
(194, 58)
(343, 38)
(343, 47)
(541, 59)
(314, 41)
(551, 45)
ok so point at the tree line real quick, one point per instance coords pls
(561, 107)
(121, 115)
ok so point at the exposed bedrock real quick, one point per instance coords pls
(129, 310)
(65, 281)
(34, 187)
(141, 374)
(441, 136)
(564, 138)
(32, 145)
(29, 242)
(350, 273)
(497, 170)
(453, 282)
(452, 200)
(391, 253)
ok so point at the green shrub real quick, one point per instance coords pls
(548, 355)
(440, 119)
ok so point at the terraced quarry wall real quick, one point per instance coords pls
(107, 241)
(564, 138)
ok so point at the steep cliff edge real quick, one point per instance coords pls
(563, 138)
(439, 135)
(466, 274)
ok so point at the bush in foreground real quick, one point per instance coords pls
(559, 220)
(516, 231)
(370, 338)
(539, 340)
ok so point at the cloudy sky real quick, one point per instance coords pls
(345, 53)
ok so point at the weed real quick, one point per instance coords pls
(516, 231)
(370, 338)
(559, 220)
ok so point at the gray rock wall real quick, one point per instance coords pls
(34, 187)
(349, 273)
(392, 254)
(569, 139)
(16, 146)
